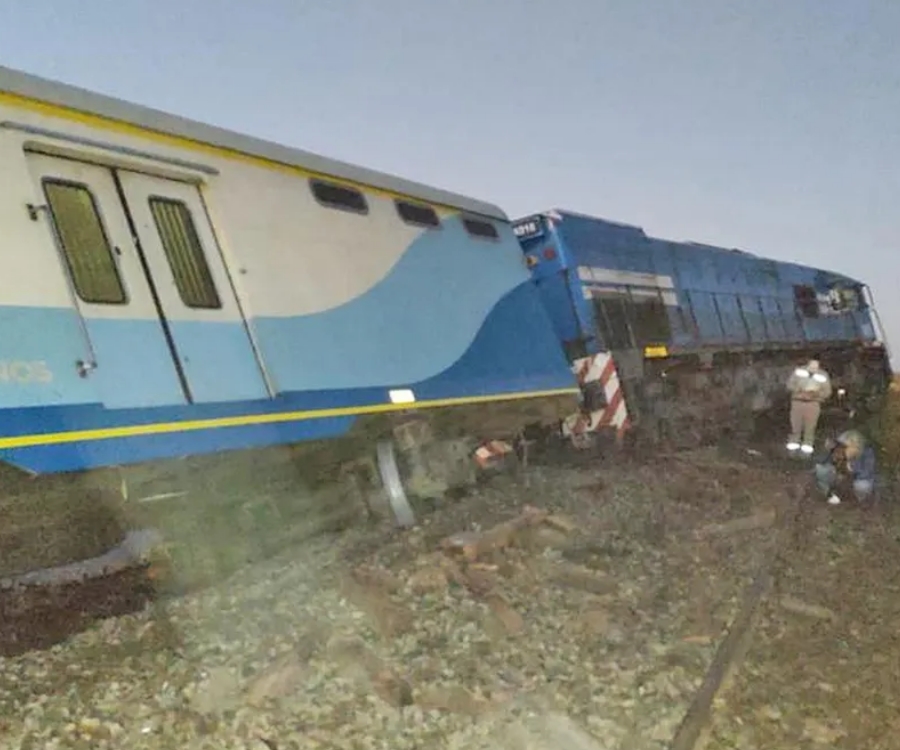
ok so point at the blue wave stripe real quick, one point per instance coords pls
(413, 324)
(514, 351)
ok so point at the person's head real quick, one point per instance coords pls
(852, 443)
(813, 365)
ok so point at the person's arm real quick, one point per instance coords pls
(866, 469)
(825, 389)
(827, 453)
(793, 382)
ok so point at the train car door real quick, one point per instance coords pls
(142, 348)
(127, 354)
(208, 330)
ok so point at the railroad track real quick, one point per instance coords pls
(692, 733)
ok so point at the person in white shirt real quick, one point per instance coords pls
(809, 386)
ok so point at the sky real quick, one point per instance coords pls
(766, 125)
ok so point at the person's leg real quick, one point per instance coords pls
(862, 488)
(811, 411)
(826, 475)
(793, 443)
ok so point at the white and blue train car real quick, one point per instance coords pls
(170, 289)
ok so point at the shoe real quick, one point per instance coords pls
(834, 499)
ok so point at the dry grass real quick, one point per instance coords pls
(885, 430)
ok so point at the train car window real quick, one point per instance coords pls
(482, 229)
(650, 322)
(806, 300)
(612, 315)
(338, 196)
(184, 251)
(849, 299)
(417, 214)
(84, 243)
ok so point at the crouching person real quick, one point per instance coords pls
(849, 463)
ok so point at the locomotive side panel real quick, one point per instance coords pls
(704, 337)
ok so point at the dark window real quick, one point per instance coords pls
(414, 213)
(185, 253)
(650, 321)
(806, 301)
(337, 196)
(575, 349)
(84, 243)
(478, 228)
(612, 316)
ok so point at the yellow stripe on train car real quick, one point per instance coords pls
(124, 127)
(246, 420)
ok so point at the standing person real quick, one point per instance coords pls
(809, 386)
(850, 461)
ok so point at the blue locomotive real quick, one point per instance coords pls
(691, 340)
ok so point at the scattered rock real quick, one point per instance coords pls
(454, 699)
(472, 546)
(512, 621)
(429, 579)
(562, 523)
(388, 618)
(798, 607)
(392, 688)
(583, 579)
(820, 732)
(219, 692)
(278, 681)
(594, 622)
(513, 638)
(762, 520)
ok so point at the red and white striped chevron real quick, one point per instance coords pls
(598, 367)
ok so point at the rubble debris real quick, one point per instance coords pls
(798, 607)
(386, 617)
(583, 579)
(575, 613)
(561, 523)
(761, 520)
(473, 545)
(455, 699)
(512, 621)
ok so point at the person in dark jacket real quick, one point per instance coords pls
(849, 461)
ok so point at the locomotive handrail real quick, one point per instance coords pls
(876, 319)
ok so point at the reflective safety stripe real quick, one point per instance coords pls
(801, 373)
(820, 378)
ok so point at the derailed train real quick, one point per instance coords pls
(693, 341)
(179, 304)
(170, 289)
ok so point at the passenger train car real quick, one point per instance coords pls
(169, 289)
(689, 340)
